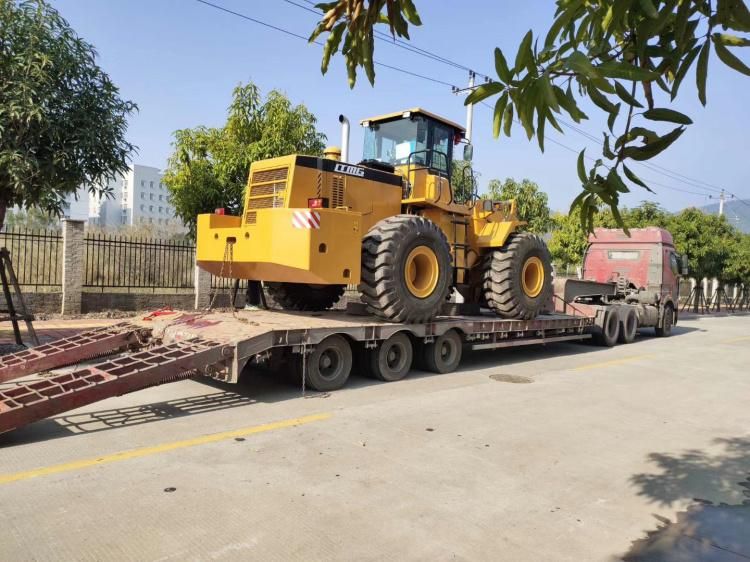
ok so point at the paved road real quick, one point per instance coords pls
(591, 454)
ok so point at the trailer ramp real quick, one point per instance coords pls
(31, 400)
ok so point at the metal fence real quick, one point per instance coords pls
(137, 263)
(36, 256)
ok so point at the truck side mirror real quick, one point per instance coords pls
(468, 152)
(684, 265)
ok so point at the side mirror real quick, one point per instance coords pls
(468, 152)
(684, 265)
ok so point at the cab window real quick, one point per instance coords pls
(441, 145)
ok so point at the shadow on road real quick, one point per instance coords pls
(707, 530)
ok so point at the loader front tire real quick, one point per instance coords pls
(406, 269)
(302, 296)
(517, 278)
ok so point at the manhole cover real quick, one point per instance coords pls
(518, 379)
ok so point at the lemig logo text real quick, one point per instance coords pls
(349, 170)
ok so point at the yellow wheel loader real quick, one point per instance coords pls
(390, 224)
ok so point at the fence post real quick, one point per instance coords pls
(202, 288)
(73, 263)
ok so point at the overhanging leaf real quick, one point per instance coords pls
(651, 149)
(635, 179)
(663, 114)
(497, 118)
(726, 56)
(501, 67)
(625, 96)
(702, 71)
(582, 167)
(626, 71)
(484, 91)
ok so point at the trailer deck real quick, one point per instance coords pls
(166, 346)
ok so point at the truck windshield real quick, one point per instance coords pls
(394, 141)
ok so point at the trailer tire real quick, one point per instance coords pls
(517, 278)
(444, 354)
(328, 367)
(628, 325)
(392, 359)
(667, 321)
(303, 296)
(608, 333)
(406, 269)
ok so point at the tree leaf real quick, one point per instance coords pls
(501, 67)
(580, 63)
(332, 45)
(508, 119)
(648, 8)
(702, 71)
(651, 149)
(731, 40)
(498, 115)
(635, 179)
(606, 150)
(613, 117)
(524, 57)
(541, 119)
(484, 91)
(548, 92)
(601, 100)
(614, 180)
(625, 96)
(582, 167)
(635, 132)
(410, 11)
(663, 114)
(626, 71)
(682, 72)
(726, 56)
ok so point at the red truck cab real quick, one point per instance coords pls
(646, 260)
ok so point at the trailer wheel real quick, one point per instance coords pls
(444, 354)
(392, 359)
(628, 325)
(666, 324)
(607, 334)
(517, 278)
(328, 367)
(406, 269)
(303, 296)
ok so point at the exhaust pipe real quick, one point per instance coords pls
(344, 138)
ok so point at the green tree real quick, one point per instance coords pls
(209, 166)
(531, 202)
(737, 268)
(62, 121)
(706, 239)
(463, 180)
(616, 53)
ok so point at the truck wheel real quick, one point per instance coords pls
(444, 354)
(666, 324)
(392, 359)
(328, 367)
(517, 278)
(406, 269)
(628, 325)
(607, 334)
(303, 296)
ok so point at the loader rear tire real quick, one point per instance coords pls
(406, 269)
(302, 296)
(517, 278)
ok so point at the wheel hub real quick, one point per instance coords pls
(421, 272)
(532, 277)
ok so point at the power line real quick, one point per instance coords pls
(298, 36)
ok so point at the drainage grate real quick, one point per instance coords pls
(517, 379)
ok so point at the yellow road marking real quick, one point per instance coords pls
(155, 449)
(734, 340)
(613, 362)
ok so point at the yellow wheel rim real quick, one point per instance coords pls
(532, 277)
(421, 272)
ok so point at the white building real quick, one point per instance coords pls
(138, 197)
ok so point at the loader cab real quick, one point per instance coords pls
(417, 145)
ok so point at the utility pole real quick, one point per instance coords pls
(721, 203)
(470, 108)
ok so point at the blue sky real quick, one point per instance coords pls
(179, 60)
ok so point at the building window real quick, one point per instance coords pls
(143, 207)
(143, 183)
(161, 185)
(161, 198)
(161, 210)
(151, 208)
(151, 196)
(151, 184)
(143, 195)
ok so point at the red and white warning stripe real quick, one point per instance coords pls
(306, 219)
